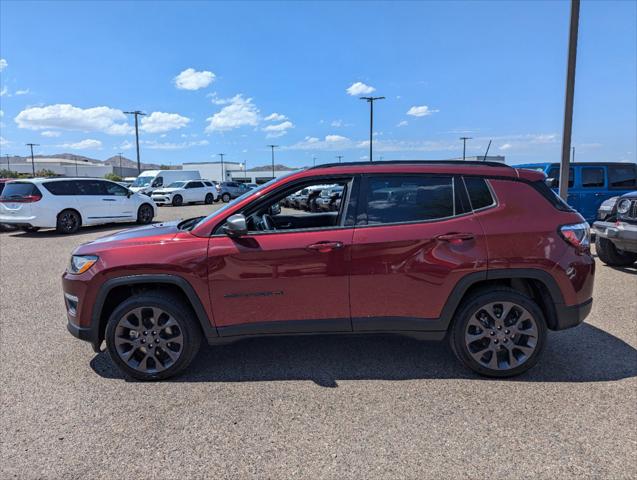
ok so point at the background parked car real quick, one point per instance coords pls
(616, 237)
(327, 201)
(150, 180)
(191, 191)
(66, 204)
(229, 190)
(590, 183)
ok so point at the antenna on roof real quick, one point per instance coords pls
(484, 159)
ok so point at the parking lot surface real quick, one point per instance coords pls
(306, 407)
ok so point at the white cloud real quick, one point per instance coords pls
(3, 64)
(279, 129)
(404, 123)
(420, 111)
(68, 117)
(4, 91)
(190, 79)
(22, 92)
(275, 117)
(153, 145)
(505, 146)
(159, 122)
(126, 145)
(216, 100)
(1, 113)
(359, 88)
(50, 133)
(4, 141)
(239, 113)
(335, 138)
(89, 143)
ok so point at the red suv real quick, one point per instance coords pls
(481, 253)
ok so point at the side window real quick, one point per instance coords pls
(409, 198)
(158, 182)
(64, 187)
(479, 193)
(194, 185)
(115, 189)
(554, 172)
(91, 187)
(592, 177)
(208, 184)
(622, 176)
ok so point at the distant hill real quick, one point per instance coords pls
(268, 168)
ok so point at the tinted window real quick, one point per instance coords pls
(91, 187)
(208, 184)
(158, 182)
(622, 176)
(64, 187)
(409, 198)
(115, 189)
(194, 185)
(19, 190)
(554, 172)
(592, 177)
(479, 193)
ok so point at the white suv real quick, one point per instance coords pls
(68, 203)
(186, 191)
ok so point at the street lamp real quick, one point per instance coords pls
(371, 101)
(223, 177)
(464, 145)
(272, 147)
(32, 161)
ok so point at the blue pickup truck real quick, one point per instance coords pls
(590, 183)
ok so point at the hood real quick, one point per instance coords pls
(155, 233)
(139, 189)
(630, 195)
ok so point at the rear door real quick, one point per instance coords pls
(414, 239)
(195, 191)
(93, 201)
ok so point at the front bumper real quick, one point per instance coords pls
(161, 199)
(622, 235)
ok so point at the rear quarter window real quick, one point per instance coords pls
(479, 192)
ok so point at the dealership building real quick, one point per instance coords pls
(233, 172)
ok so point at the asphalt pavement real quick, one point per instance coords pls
(306, 407)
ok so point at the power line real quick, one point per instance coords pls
(464, 146)
(136, 113)
(272, 147)
(371, 101)
(32, 160)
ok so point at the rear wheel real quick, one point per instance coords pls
(611, 255)
(498, 333)
(145, 214)
(68, 221)
(178, 200)
(152, 336)
(225, 197)
(209, 198)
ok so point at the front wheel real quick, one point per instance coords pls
(610, 255)
(498, 333)
(178, 200)
(145, 214)
(152, 336)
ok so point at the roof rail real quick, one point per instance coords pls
(416, 162)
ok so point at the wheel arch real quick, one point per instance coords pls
(114, 291)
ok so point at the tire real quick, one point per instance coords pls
(225, 197)
(209, 199)
(516, 343)
(610, 255)
(178, 200)
(68, 221)
(30, 229)
(128, 347)
(145, 214)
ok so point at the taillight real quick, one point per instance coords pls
(22, 199)
(578, 235)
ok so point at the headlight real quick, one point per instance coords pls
(607, 205)
(623, 206)
(81, 263)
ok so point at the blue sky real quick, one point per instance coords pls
(234, 77)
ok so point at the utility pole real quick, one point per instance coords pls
(245, 169)
(464, 146)
(120, 164)
(569, 97)
(573, 159)
(340, 157)
(314, 160)
(8, 167)
(272, 147)
(137, 113)
(223, 177)
(75, 158)
(371, 101)
(32, 160)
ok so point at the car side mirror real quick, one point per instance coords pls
(551, 182)
(275, 209)
(236, 226)
(129, 193)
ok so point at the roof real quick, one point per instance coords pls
(585, 164)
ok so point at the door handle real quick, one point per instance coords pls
(108, 199)
(455, 237)
(324, 247)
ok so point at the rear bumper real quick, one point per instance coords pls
(571, 316)
(622, 235)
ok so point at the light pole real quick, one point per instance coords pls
(314, 160)
(245, 170)
(75, 158)
(120, 164)
(371, 101)
(8, 167)
(223, 177)
(340, 157)
(464, 146)
(272, 147)
(568, 100)
(32, 160)
(136, 113)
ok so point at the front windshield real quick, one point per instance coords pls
(254, 192)
(141, 182)
(176, 185)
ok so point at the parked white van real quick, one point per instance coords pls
(150, 180)
(66, 204)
